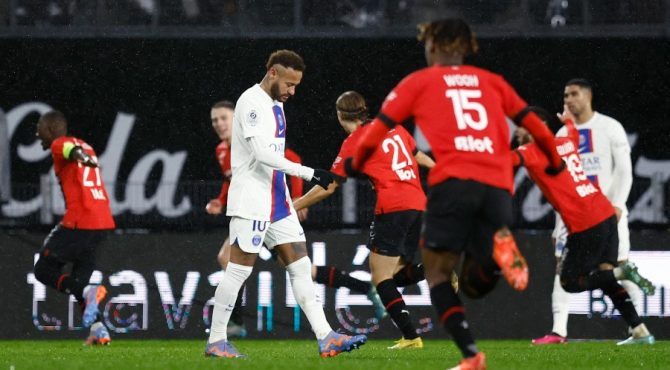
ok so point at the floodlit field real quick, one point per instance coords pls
(302, 354)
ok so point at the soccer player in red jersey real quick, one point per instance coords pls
(591, 251)
(394, 234)
(83, 227)
(222, 119)
(462, 112)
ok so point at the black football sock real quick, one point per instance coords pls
(237, 316)
(334, 278)
(595, 280)
(451, 313)
(409, 275)
(48, 272)
(623, 303)
(478, 279)
(396, 308)
(70, 285)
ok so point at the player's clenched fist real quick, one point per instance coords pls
(214, 207)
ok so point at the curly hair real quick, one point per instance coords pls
(451, 36)
(286, 58)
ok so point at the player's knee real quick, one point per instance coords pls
(605, 266)
(571, 284)
(42, 271)
(222, 259)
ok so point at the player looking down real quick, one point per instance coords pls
(260, 210)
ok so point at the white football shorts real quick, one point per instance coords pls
(251, 235)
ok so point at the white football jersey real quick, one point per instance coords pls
(257, 192)
(603, 146)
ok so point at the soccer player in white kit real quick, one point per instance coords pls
(605, 154)
(260, 208)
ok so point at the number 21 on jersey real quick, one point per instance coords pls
(396, 145)
(91, 179)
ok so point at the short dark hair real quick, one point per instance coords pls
(54, 117)
(451, 35)
(224, 104)
(581, 82)
(286, 58)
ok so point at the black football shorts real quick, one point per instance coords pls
(464, 215)
(396, 234)
(587, 249)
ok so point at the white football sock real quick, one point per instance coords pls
(640, 331)
(560, 307)
(224, 299)
(635, 294)
(98, 324)
(300, 274)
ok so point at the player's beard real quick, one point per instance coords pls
(275, 92)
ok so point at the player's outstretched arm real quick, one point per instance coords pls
(263, 154)
(424, 160)
(267, 157)
(543, 137)
(315, 195)
(369, 141)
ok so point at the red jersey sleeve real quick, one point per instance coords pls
(57, 147)
(526, 155)
(347, 150)
(397, 107)
(223, 195)
(223, 157)
(297, 185)
(511, 101)
(513, 104)
(399, 102)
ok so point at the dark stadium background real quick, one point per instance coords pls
(169, 82)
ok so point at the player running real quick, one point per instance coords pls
(462, 112)
(605, 152)
(83, 227)
(260, 210)
(394, 234)
(590, 254)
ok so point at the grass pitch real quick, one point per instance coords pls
(302, 354)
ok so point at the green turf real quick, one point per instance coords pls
(302, 354)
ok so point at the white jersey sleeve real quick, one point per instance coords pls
(622, 171)
(251, 117)
(267, 157)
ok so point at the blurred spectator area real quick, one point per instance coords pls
(352, 206)
(298, 15)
